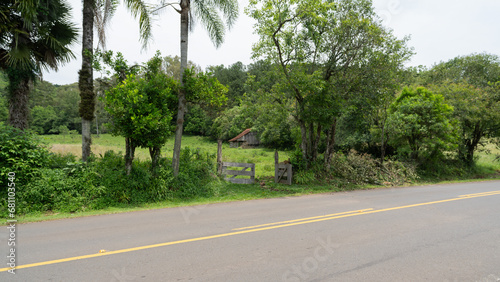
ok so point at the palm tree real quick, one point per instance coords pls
(207, 12)
(34, 36)
(99, 12)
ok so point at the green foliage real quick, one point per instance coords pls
(4, 106)
(364, 169)
(21, 153)
(203, 88)
(477, 112)
(68, 186)
(331, 55)
(471, 84)
(43, 119)
(196, 175)
(354, 168)
(234, 78)
(57, 190)
(478, 70)
(230, 123)
(141, 108)
(420, 125)
(35, 35)
(198, 121)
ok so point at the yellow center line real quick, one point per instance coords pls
(301, 219)
(481, 194)
(288, 224)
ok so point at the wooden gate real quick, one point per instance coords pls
(283, 173)
(233, 173)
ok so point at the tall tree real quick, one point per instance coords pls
(326, 51)
(207, 11)
(35, 35)
(99, 12)
(471, 85)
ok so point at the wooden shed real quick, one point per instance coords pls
(245, 139)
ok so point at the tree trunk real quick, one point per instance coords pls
(18, 102)
(472, 144)
(86, 139)
(155, 153)
(316, 142)
(310, 142)
(303, 143)
(86, 79)
(330, 144)
(219, 157)
(129, 154)
(182, 94)
(383, 145)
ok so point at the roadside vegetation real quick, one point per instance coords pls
(329, 90)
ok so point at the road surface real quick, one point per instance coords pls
(431, 233)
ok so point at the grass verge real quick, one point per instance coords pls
(486, 169)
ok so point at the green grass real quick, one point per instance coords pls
(264, 158)
(488, 160)
(228, 193)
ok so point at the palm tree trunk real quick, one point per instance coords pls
(182, 95)
(86, 79)
(18, 102)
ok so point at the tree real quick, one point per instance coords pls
(35, 35)
(172, 66)
(323, 50)
(234, 77)
(477, 111)
(471, 85)
(420, 124)
(43, 119)
(142, 105)
(141, 110)
(100, 11)
(207, 12)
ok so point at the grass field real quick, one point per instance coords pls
(263, 158)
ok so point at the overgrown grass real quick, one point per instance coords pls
(228, 193)
(220, 191)
(71, 144)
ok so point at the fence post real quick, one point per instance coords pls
(219, 156)
(276, 166)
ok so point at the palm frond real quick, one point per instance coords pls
(29, 10)
(141, 10)
(229, 9)
(103, 12)
(209, 17)
(45, 44)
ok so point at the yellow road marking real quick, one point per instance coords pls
(481, 194)
(301, 219)
(289, 223)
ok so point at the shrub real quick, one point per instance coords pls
(364, 169)
(58, 190)
(69, 186)
(420, 125)
(22, 153)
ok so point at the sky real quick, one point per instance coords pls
(439, 30)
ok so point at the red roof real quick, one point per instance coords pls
(245, 132)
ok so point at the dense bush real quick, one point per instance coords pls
(420, 126)
(68, 186)
(354, 168)
(364, 169)
(20, 153)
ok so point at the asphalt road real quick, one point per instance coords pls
(432, 233)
